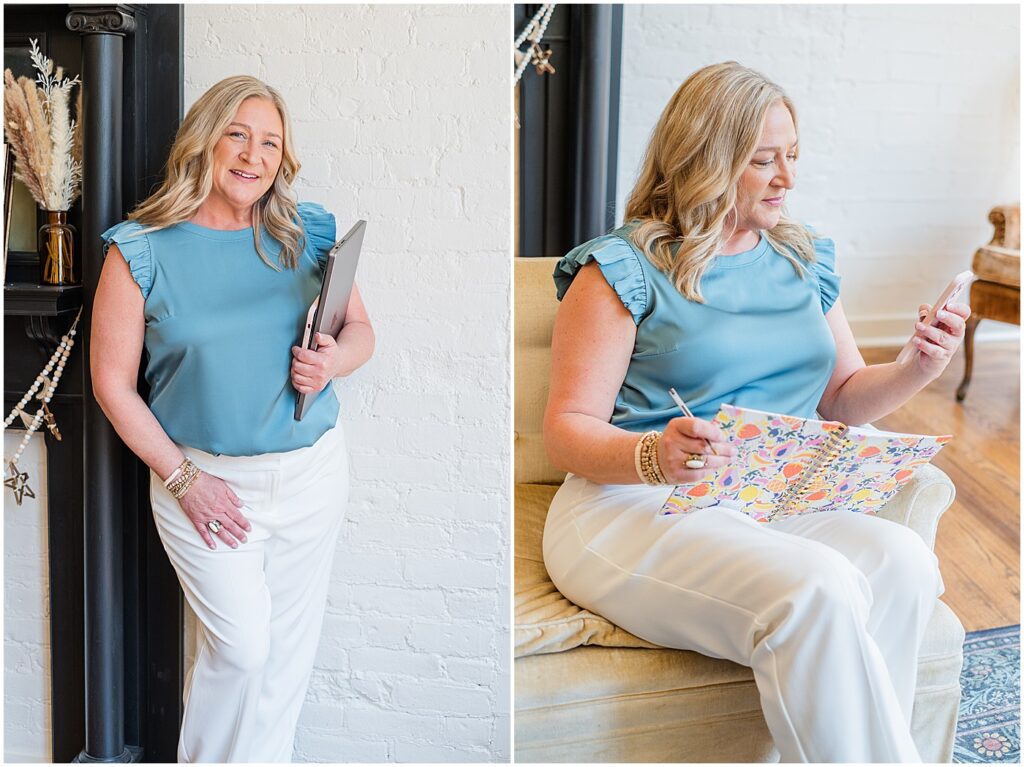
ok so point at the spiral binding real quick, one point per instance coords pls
(829, 452)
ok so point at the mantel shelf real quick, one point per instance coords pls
(31, 300)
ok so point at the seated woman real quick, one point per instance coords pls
(710, 289)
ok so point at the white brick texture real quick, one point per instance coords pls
(908, 129)
(401, 117)
(27, 724)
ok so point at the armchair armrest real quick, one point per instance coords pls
(1006, 220)
(920, 503)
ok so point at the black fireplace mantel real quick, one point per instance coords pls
(29, 299)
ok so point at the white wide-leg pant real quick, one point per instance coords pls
(259, 607)
(827, 609)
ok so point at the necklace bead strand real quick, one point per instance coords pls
(534, 31)
(58, 359)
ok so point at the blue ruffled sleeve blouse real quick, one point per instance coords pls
(760, 339)
(220, 324)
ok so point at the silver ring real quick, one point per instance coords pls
(214, 526)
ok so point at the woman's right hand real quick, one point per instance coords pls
(684, 437)
(210, 498)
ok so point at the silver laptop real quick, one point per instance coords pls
(327, 314)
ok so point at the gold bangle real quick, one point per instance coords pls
(189, 475)
(176, 474)
(186, 485)
(176, 479)
(173, 476)
(184, 481)
(636, 458)
(656, 462)
(650, 469)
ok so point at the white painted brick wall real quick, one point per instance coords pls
(908, 120)
(27, 722)
(401, 117)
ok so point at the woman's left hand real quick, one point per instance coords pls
(313, 370)
(939, 343)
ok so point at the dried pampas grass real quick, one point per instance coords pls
(20, 132)
(45, 141)
(76, 146)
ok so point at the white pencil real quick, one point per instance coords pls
(686, 411)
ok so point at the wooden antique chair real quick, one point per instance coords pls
(995, 293)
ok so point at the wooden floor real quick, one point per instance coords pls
(978, 541)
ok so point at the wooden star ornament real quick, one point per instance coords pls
(541, 60)
(18, 482)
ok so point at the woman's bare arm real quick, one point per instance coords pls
(356, 338)
(859, 393)
(118, 331)
(590, 353)
(116, 340)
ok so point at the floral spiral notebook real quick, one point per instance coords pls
(787, 465)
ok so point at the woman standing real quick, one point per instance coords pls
(709, 288)
(213, 275)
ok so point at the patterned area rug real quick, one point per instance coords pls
(988, 729)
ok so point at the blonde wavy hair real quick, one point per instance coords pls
(686, 190)
(189, 177)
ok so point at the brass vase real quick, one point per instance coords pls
(57, 249)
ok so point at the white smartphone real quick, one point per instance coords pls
(953, 291)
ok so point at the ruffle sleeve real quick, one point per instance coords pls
(135, 249)
(618, 263)
(824, 269)
(320, 230)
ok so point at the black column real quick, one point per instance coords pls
(102, 29)
(593, 99)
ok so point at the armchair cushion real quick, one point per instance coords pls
(600, 704)
(546, 621)
(999, 265)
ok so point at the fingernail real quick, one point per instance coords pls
(234, 545)
(213, 546)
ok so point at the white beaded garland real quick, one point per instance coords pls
(533, 31)
(59, 358)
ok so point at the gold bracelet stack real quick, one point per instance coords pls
(174, 476)
(646, 459)
(180, 485)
